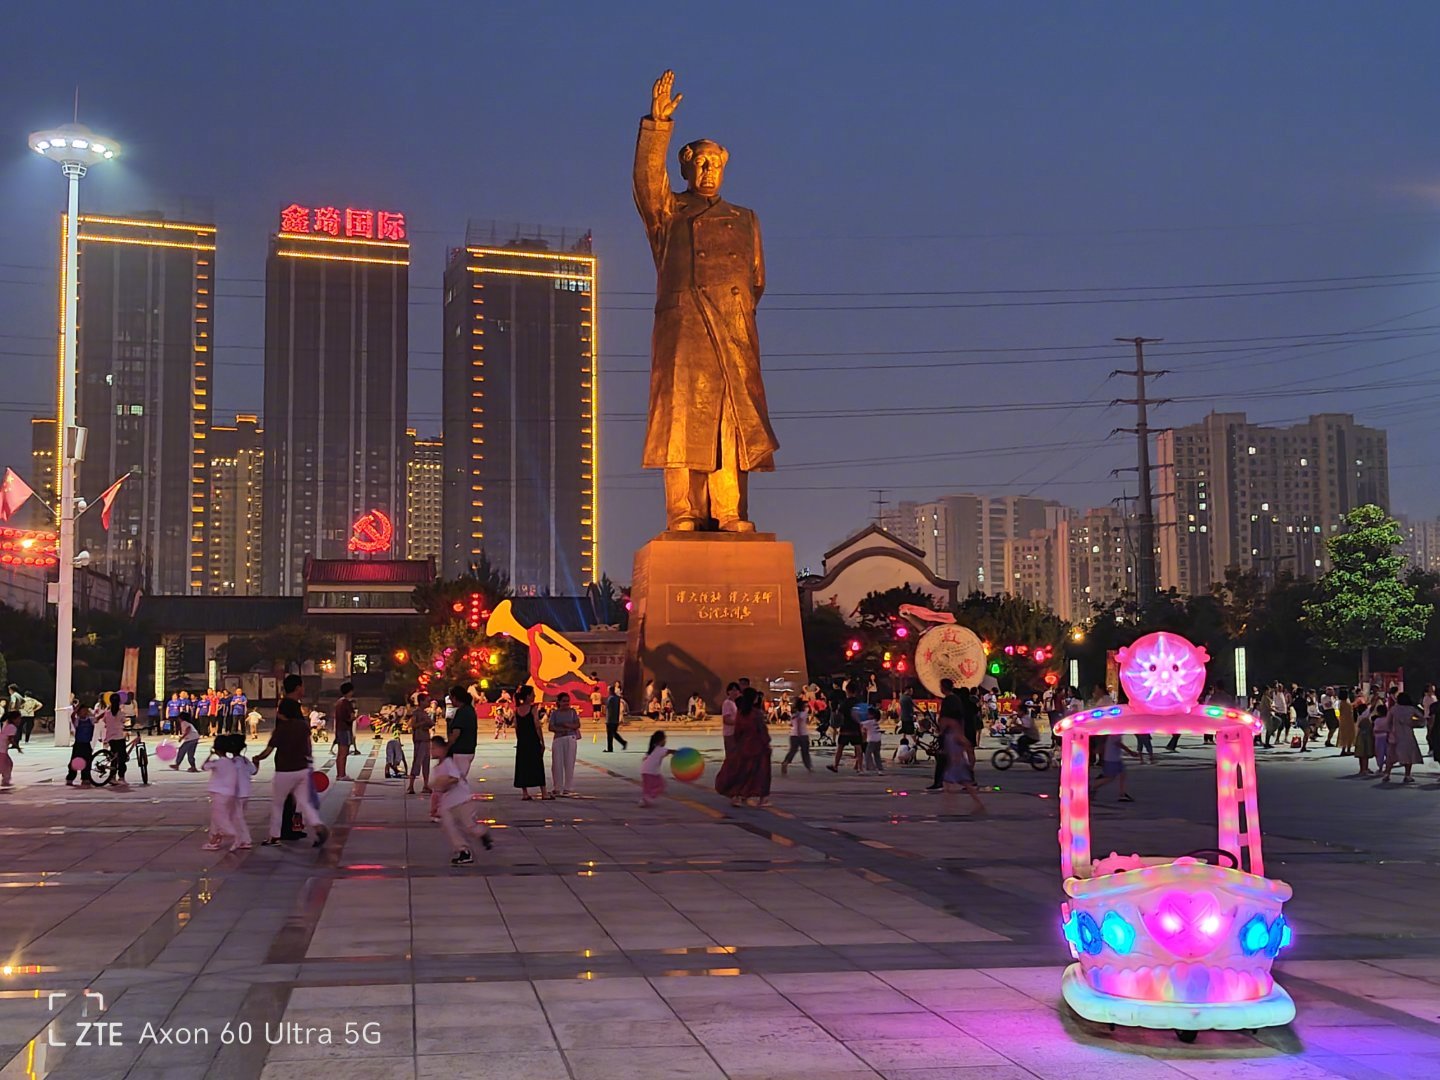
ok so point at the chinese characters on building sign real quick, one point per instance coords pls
(689, 604)
(350, 222)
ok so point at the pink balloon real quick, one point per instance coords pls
(321, 782)
(363, 721)
(77, 764)
(166, 751)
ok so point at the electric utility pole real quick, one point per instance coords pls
(1145, 577)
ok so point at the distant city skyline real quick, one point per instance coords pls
(942, 295)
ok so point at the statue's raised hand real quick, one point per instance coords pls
(662, 105)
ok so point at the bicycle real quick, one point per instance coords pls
(1038, 757)
(102, 764)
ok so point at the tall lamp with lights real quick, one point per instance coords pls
(76, 148)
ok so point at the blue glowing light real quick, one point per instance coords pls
(1116, 710)
(1254, 935)
(1087, 932)
(1117, 933)
(1095, 714)
(1279, 936)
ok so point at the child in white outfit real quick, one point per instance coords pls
(230, 771)
(452, 789)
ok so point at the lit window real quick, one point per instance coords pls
(1252, 450)
(1304, 462)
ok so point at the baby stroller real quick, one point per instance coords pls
(823, 729)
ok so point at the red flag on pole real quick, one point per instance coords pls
(13, 494)
(107, 500)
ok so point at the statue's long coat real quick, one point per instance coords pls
(705, 351)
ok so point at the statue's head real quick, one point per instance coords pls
(702, 164)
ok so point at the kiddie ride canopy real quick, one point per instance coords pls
(1160, 942)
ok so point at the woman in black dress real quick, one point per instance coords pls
(529, 745)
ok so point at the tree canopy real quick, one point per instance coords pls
(1361, 601)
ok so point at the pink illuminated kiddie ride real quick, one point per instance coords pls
(1171, 942)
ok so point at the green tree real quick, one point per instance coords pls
(293, 645)
(826, 634)
(1009, 620)
(879, 610)
(1361, 602)
(240, 654)
(437, 600)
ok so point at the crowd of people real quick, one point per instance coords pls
(1380, 727)
(1375, 725)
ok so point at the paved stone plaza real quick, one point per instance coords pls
(860, 928)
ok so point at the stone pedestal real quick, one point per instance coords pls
(707, 608)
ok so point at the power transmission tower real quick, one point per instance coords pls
(1146, 580)
(880, 503)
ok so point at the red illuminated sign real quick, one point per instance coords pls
(372, 533)
(351, 222)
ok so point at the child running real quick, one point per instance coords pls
(229, 786)
(453, 790)
(652, 784)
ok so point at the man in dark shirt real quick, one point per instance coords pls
(462, 730)
(290, 743)
(612, 722)
(952, 711)
(294, 688)
(344, 728)
(907, 713)
(850, 732)
(970, 710)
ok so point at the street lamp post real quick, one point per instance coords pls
(76, 148)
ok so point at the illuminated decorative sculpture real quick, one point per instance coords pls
(372, 533)
(1160, 942)
(556, 664)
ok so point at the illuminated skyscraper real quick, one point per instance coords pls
(234, 496)
(424, 470)
(1252, 497)
(336, 350)
(520, 410)
(144, 327)
(43, 445)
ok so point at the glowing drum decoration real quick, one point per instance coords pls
(1159, 942)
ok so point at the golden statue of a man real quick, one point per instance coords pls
(709, 427)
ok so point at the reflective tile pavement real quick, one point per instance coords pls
(859, 928)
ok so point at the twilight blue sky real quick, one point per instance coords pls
(940, 160)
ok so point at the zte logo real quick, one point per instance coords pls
(88, 1032)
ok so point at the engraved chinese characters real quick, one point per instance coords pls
(739, 606)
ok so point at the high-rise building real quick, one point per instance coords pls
(424, 473)
(143, 364)
(1422, 543)
(965, 537)
(902, 521)
(1031, 568)
(1236, 494)
(337, 300)
(1095, 562)
(43, 446)
(235, 484)
(520, 410)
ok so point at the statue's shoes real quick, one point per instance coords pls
(684, 525)
(738, 526)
